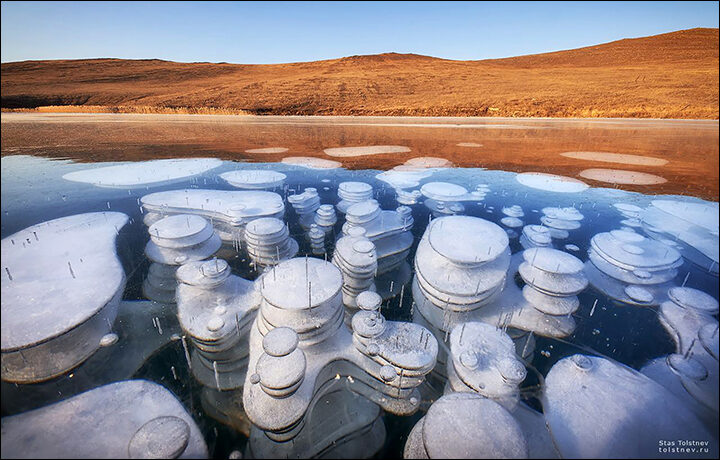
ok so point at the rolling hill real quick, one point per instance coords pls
(673, 75)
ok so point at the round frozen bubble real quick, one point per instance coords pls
(622, 158)
(161, 437)
(639, 294)
(551, 182)
(619, 176)
(178, 226)
(280, 341)
(467, 425)
(365, 150)
(694, 299)
(512, 222)
(467, 240)
(253, 178)
(687, 367)
(553, 261)
(312, 162)
(443, 191)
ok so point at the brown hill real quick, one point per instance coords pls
(672, 75)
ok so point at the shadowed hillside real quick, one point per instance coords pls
(673, 75)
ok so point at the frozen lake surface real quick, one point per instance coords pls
(561, 266)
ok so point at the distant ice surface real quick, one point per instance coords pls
(144, 173)
(448, 264)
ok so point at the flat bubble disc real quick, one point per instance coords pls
(215, 323)
(179, 226)
(280, 341)
(694, 299)
(467, 240)
(642, 274)
(161, 437)
(467, 425)
(265, 226)
(356, 231)
(363, 246)
(388, 373)
(355, 187)
(582, 362)
(469, 359)
(627, 237)
(216, 268)
(639, 294)
(688, 367)
(369, 301)
(708, 336)
(363, 208)
(632, 249)
(553, 261)
(443, 190)
(511, 370)
(108, 339)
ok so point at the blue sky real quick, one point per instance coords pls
(275, 32)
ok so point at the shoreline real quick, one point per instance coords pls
(250, 116)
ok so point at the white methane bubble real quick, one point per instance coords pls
(597, 408)
(254, 179)
(365, 150)
(551, 182)
(144, 173)
(73, 258)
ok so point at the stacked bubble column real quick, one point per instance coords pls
(631, 268)
(216, 311)
(174, 241)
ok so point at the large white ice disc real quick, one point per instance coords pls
(694, 299)
(254, 178)
(301, 283)
(551, 182)
(443, 191)
(553, 261)
(596, 408)
(632, 251)
(128, 419)
(467, 425)
(144, 173)
(58, 275)
(181, 230)
(467, 240)
(232, 206)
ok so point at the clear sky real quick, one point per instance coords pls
(275, 32)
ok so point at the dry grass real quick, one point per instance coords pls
(672, 75)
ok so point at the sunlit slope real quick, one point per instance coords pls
(672, 75)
